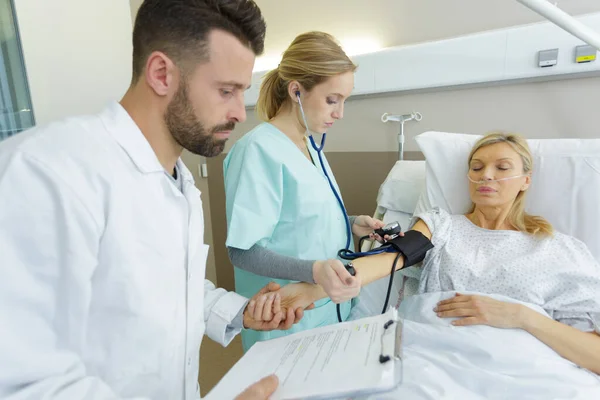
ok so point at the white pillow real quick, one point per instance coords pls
(565, 185)
(401, 189)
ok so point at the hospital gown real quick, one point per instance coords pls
(557, 273)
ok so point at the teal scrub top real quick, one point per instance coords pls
(280, 200)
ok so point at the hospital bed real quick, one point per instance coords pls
(481, 362)
(396, 202)
(565, 190)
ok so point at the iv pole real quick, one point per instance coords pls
(416, 116)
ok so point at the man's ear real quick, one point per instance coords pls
(161, 73)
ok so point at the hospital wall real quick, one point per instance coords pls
(77, 54)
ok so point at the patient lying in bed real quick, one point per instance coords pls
(498, 250)
(557, 273)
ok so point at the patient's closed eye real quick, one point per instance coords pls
(501, 168)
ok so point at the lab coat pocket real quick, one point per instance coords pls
(131, 337)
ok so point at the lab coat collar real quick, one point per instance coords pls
(129, 136)
(186, 175)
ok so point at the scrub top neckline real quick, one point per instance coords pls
(312, 159)
(308, 147)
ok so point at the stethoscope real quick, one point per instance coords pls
(319, 150)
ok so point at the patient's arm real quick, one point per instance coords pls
(372, 268)
(368, 269)
(582, 348)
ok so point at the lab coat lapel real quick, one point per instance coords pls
(129, 136)
(195, 217)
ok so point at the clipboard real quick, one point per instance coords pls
(353, 358)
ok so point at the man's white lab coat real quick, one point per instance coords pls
(102, 264)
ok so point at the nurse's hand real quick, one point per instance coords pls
(335, 280)
(264, 311)
(261, 390)
(365, 225)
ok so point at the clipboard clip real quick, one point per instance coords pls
(391, 327)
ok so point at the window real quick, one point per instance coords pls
(15, 103)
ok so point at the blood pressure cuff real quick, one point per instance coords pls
(413, 246)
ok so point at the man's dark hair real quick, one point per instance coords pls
(180, 28)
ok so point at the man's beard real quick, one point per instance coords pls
(188, 131)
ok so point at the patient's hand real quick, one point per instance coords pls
(480, 310)
(279, 308)
(264, 312)
(300, 296)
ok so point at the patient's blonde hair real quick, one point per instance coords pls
(517, 217)
(312, 58)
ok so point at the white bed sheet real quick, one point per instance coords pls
(441, 361)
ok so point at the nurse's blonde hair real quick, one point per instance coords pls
(312, 58)
(517, 217)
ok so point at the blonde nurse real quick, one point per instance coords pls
(284, 221)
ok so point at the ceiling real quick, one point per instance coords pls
(386, 23)
(367, 25)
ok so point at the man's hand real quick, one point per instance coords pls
(261, 390)
(335, 280)
(264, 311)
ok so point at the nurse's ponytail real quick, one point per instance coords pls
(311, 59)
(272, 95)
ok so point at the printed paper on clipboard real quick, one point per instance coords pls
(348, 359)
